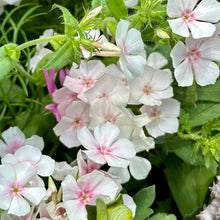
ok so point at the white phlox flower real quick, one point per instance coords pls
(14, 139)
(15, 191)
(8, 2)
(195, 59)
(82, 79)
(76, 116)
(198, 18)
(105, 146)
(89, 187)
(163, 117)
(152, 86)
(157, 60)
(132, 60)
(130, 3)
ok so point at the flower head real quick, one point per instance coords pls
(198, 18)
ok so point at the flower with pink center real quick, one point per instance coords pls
(163, 117)
(198, 18)
(89, 187)
(108, 86)
(104, 110)
(15, 191)
(105, 146)
(77, 116)
(132, 60)
(82, 79)
(152, 87)
(195, 58)
(43, 163)
(14, 139)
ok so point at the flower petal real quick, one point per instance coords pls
(45, 166)
(156, 60)
(120, 172)
(175, 8)
(19, 206)
(206, 72)
(169, 125)
(184, 73)
(6, 197)
(179, 27)
(139, 167)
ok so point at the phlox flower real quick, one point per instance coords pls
(197, 18)
(152, 86)
(163, 117)
(82, 79)
(77, 194)
(195, 58)
(129, 202)
(77, 116)
(108, 86)
(14, 139)
(85, 165)
(15, 191)
(156, 60)
(104, 110)
(132, 60)
(105, 146)
(44, 164)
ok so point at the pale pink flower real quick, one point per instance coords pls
(195, 58)
(103, 110)
(82, 79)
(132, 60)
(77, 194)
(14, 139)
(44, 164)
(15, 192)
(152, 86)
(77, 116)
(163, 117)
(109, 87)
(197, 18)
(105, 146)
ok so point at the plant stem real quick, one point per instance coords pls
(24, 73)
(44, 39)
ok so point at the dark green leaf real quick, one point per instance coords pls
(188, 185)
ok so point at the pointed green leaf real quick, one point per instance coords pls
(144, 199)
(105, 10)
(117, 8)
(71, 24)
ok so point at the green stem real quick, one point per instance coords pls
(34, 42)
(194, 136)
(24, 73)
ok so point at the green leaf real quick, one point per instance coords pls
(163, 216)
(188, 185)
(117, 8)
(111, 24)
(144, 199)
(209, 93)
(203, 113)
(8, 58)
(58, 60)
(71, 24)
(102, 212)
(121, 212)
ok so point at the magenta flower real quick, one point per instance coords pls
(51, 86)
(77, 194)
(105, 146)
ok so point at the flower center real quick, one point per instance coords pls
(87, 82)
(77, 123)
(155, 114)
(15, 190)
(147, 89)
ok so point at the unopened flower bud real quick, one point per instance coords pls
(162, 34)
